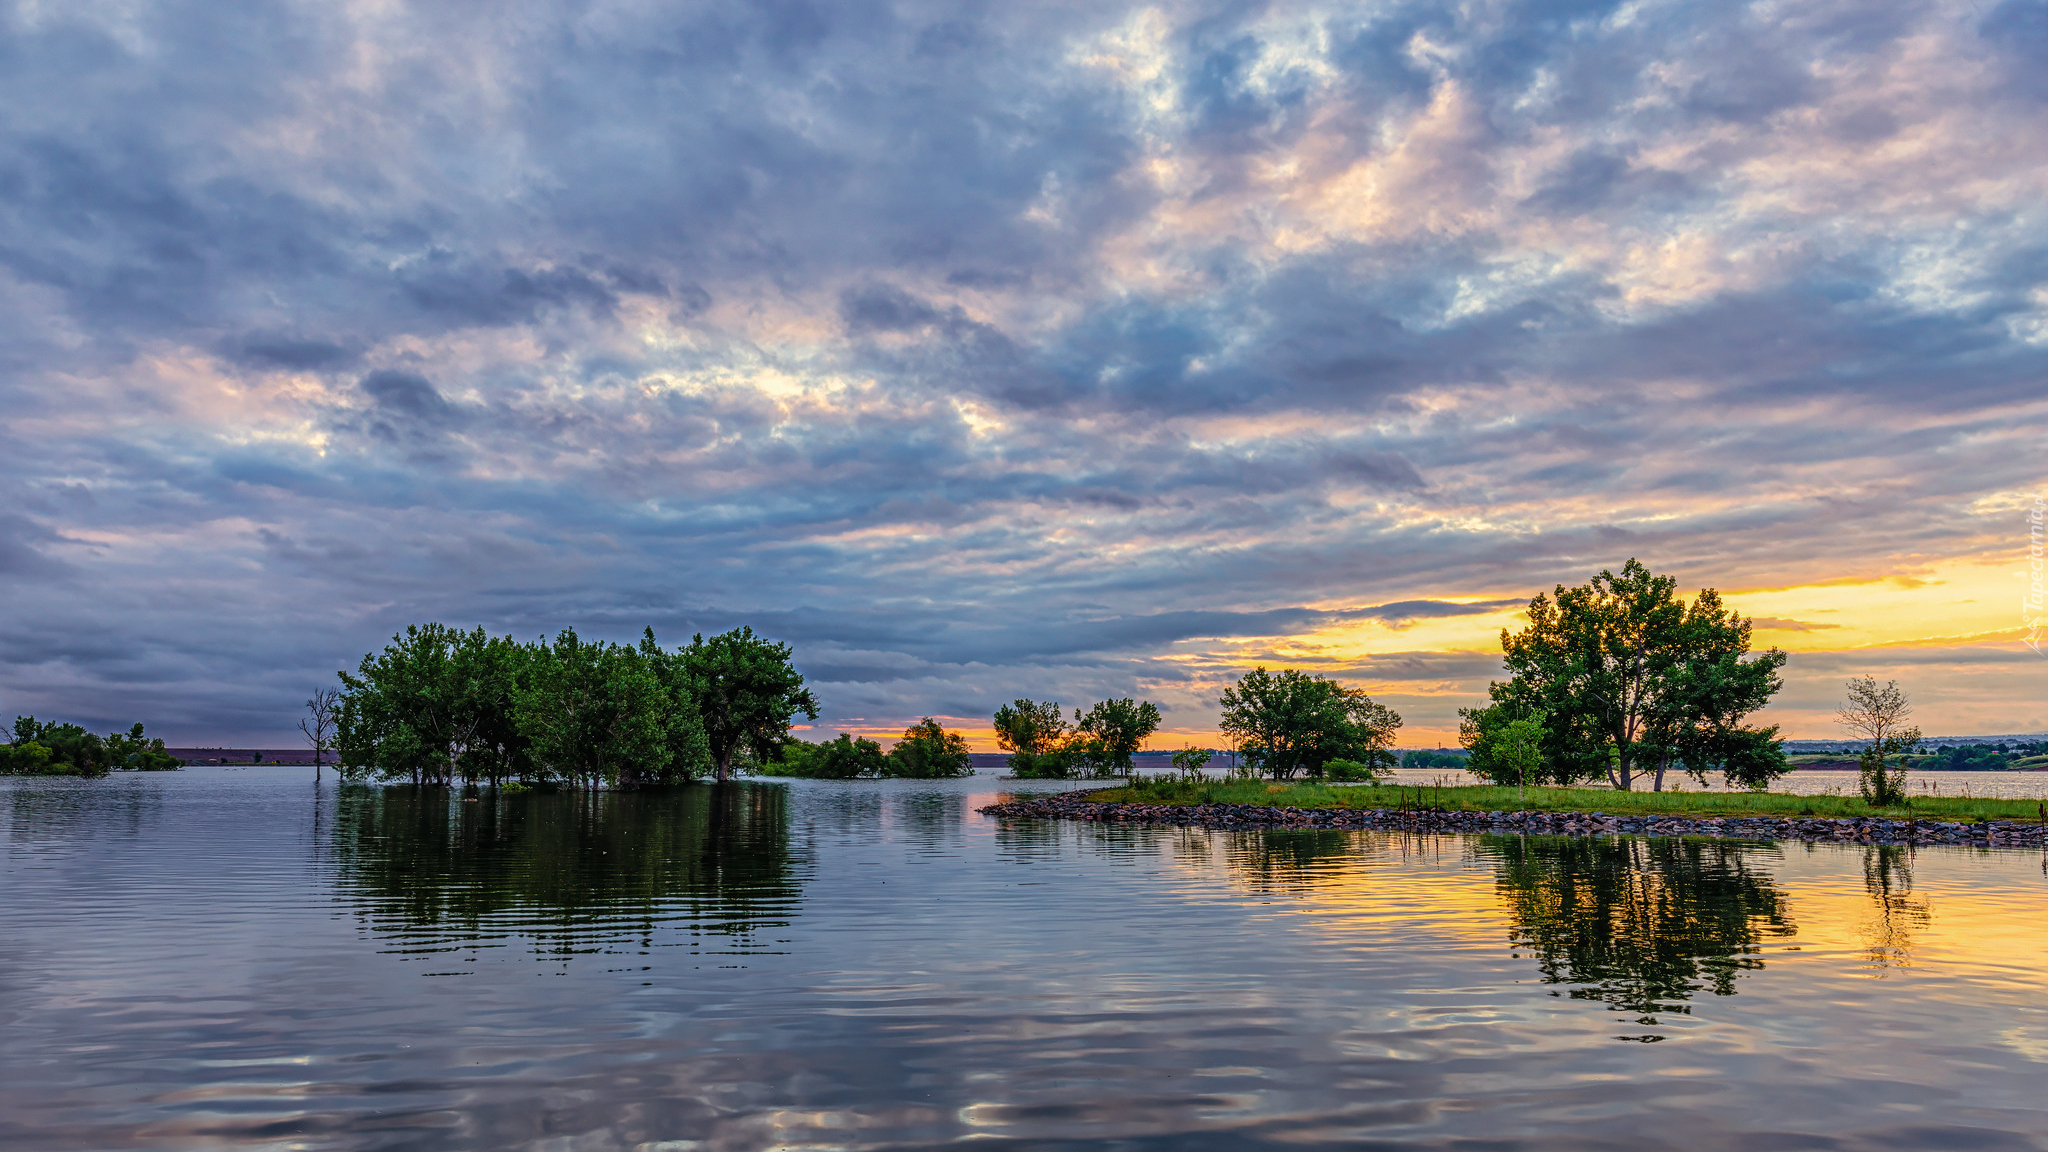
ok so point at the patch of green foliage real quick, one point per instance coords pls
(927, 752)
(1496, 798)
(49, 749)
(440, 706)
(847, 758)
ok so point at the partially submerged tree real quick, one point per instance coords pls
(747, 694)
(42, 748)
(593, 711)
(319, 725)
(928, 751)
(846, 758)
(440, 705)
(1295, 722)
(406, 711)
(1633, 680)
(1878, 714)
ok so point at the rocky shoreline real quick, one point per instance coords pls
(1827, 829)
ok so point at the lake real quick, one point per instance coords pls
(235, 959)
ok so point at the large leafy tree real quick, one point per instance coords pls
(1630, 679)
(1112, 731)
(492, 673)
(681, 722)
(593, 713)
(408, 711)
(1035, 734)
(747, 694)
(1295, 722)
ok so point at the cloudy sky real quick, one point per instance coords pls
(989, 350)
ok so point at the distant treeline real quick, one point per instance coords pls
(1984, 757)
(50, 749)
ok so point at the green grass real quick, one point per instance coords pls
(1487, 798)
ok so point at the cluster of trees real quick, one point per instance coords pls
(439, 705)
(1621, 678)
(43, 748)
(927, 751)
(1043, 743)
(1439, 758)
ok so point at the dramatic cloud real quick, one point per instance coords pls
(985, 351)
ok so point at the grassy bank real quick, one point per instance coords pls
(1487, 798)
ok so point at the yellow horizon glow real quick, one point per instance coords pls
(1962, 603)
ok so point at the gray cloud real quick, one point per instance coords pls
(982, 351)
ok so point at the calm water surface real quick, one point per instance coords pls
(230, 959)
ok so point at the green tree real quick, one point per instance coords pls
(1190, 761)
(1295, 722)
(405, 712)
(592, 713)
(928, 751)
(493, 672)
(682, 724)
(1035, 734)
(1505, 750)
(1878, 714)
(52, 749)
(747, 693)
(1633, 680)
(133, 751)
(1112, 731)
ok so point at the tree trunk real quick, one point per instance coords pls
(1663, 762)
(725, 766)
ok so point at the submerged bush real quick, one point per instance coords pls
(51, 749)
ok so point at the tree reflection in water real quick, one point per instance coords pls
(1888, 936)
(567, 872)
(1641, 924)
(1291, 861)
